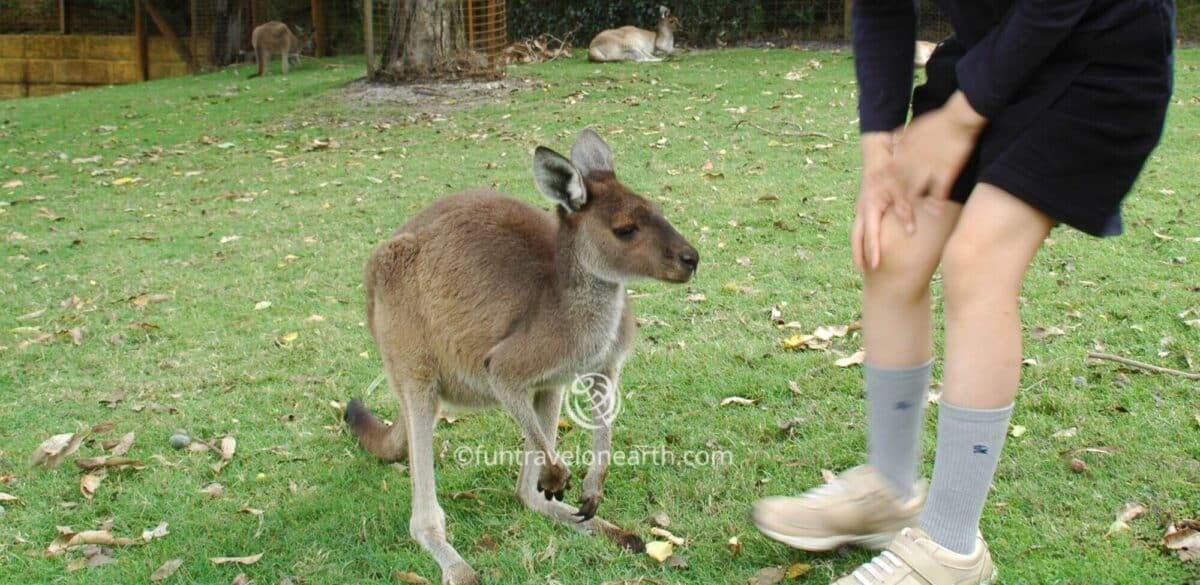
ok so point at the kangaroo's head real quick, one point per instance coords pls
(304, 40)
(616, 234)
(668, 20)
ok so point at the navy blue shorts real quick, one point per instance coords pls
(1072, 142)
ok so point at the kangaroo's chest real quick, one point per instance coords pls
(598, 337)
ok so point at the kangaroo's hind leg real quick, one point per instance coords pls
(428, 522)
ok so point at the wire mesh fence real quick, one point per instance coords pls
(707, 23)
(417, 39)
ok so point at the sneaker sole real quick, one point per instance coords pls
(992, 579)
(876, 541)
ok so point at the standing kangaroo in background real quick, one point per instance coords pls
(630, 43)
(276, 38)
(481, 300)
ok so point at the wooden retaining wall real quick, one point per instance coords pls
(35, 65)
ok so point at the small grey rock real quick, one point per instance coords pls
(1079, 380)
(180, 440)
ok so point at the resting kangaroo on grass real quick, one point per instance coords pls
(481, 300)
(630, 43)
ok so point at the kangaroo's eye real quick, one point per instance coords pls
(625, 232)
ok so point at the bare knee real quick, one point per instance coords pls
(906, 264)
(975, 273)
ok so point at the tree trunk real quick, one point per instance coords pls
(425, 37)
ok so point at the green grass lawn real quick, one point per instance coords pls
(212, 195)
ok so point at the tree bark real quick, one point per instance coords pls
(424, 37)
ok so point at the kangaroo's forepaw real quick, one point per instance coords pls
(554, 481)
(588, 505)
(552, 495)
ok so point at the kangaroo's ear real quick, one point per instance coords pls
(558, 179)
(590, 154)
(664, 11)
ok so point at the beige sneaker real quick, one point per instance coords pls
(859, 507)
(915, 559)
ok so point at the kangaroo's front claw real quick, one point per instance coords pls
(587, 508)
(552, 495)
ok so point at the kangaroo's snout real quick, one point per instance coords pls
(690, 259)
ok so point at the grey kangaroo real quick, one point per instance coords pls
(481, 300)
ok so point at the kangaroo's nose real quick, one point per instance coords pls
(690, 258)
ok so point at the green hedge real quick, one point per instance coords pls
(712, 22)
(705, 22)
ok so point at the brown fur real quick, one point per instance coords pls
(481, 300)
(630, 43)
(275, 38)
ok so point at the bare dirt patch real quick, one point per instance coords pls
(433, 97)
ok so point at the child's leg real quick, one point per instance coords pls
(983, 265)
(898, 337)
(869, 504)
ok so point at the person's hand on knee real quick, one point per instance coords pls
(932, 151)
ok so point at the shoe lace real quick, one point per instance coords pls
(878, 569)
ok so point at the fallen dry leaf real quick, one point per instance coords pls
(859, 357)
(112, 399)
(1018, 430)
(166, 570)
(767, 576)
(90, 561)
(660, 519)
(213, 490)
(1040, 333)
(798, 570)
(50, 215)
(122, 446)
(228, 446)
(241, 579)
(828, 332)
(797, 342)
(89, 483)
(76, 335)
(738, 400)
(52, 451)
(735, 546)
(1125, 515)
(8, 498)
(109, 462)
(250, 560)
(256, 513)
(68, 539)
(1183, 537)
(659, 550)
(667, 536)
(1065, 433)
(156, 532)
(406, 577)
(1130, 511)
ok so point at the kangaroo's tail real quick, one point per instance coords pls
(387, 442)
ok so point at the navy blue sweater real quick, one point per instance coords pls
(1006, 41)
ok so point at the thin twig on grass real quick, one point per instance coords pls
(1142, 365)
(801, 133)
